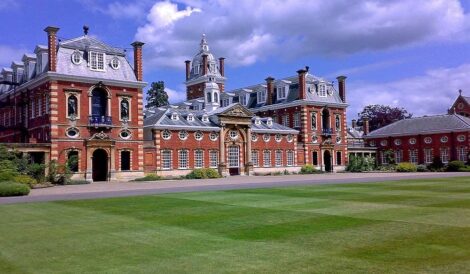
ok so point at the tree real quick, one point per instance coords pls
(156, 95)
(382, 115)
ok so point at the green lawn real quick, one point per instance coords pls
(419, 226)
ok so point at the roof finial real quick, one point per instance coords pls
(204, 45)
(85, 29)
(460, 92)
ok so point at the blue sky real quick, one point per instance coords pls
(410, 53)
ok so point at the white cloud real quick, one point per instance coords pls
(8, 4)
(9, 54)
(175, 96)
(431, 93)
(248, 31)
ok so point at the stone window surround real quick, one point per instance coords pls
(77, 93)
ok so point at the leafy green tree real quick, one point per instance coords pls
(382, 115)
(156, 95)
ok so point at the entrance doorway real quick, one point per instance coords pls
(327, 160)
(234, 160)
(100, 165)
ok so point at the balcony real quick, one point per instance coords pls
(100, 121)
(327, 131)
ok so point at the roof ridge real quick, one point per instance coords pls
(461, 118)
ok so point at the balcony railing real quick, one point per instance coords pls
(100, 121)
(327, 131)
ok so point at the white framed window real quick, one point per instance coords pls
(290, 158)
(310, 88)
(412, 141)
(285, 120)
(205, 118)
(76, 57)
(278, 158)
(269, 121)
(266, 137)
(174, 116)
(183, 135)
(314, 120)
(255, 158)
(461, 138)
(242, 99)
(225, 102)
(233, 134)
(199, 158)
(444, 139)
(414, 156)
(297, 120)
(445, 155)
(125, 134)
(254, 137)
(33, 109)
(190, 117)
(183, 159)
(261, 96)
(39, 106)
(398, 156)
(322, 90)
(257, 121)
(397, 142)
(213, 136)
(96, 60)
(198, 135)
(167, 159)
(214, 158)
(48, 103)
(383, 158)
(115, 63)
(383, 143)
(428, 155)
(428, 140)
(72, 132)
(462, 154)
(282, 91)
(234, 156)
(278, 137)
(196, 68)
(166, 134)
(267, 158)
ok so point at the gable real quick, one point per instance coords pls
(237, 110)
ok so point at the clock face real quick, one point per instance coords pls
(460, 106)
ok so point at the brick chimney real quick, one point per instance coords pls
(138, 60)
(342, 87)
(365, 125)
(221, 66)
(204, 64)
(52, 47)
(302, 85)
(353, 123)
(188, 68)
(269, 90)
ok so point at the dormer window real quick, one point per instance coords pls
(174, 116)
(257, 121)
(225, 102)
(269, 122)
(115, 64)
(322, 90)
(196, 69)
(190, 118)
(282, 91)
(76, 57)
(205, 118)
(212, 68)
(96, 61)
(242, 99)
(261, 96)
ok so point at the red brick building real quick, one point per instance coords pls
(272, 126)
(78, 97)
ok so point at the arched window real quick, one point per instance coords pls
(209, 97)
(99, 102)
(72, 160)
(124, 109)
(216, 97)
(325, 119)
(72, 105)
(337, 122)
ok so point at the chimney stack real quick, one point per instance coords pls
(188, 68)
(269, 90)
(342, 87)
(365, 125)
(204, 64)
(52, 47)
(221, 66)
(302, 84)
(353, 123)
(138, 60)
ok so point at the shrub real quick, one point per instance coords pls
(308, 169)
(13, 189)
(359, 164)
(36, 171)
(77, 182)
(203, 173)
(149, 177)
(406, 167)
(421, 168)
(436, 164)
(465, 169)
(59, 174)
(25, 179)
(286, 172)
(455, 165)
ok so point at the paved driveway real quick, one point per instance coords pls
(121, 189)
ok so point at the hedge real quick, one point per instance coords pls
(203, 173)
(406, 167)
(149, 177)
(13, 189)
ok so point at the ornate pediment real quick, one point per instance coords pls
(100, 136)
(237, 111)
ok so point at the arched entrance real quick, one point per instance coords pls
(327, 161)
(100, 165)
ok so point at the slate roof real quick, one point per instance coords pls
(354, 133)
(263, 127)
(423, 125)
(86, 42)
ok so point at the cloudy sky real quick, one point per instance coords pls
(410, 53)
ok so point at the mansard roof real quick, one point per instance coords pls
(423, 125)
